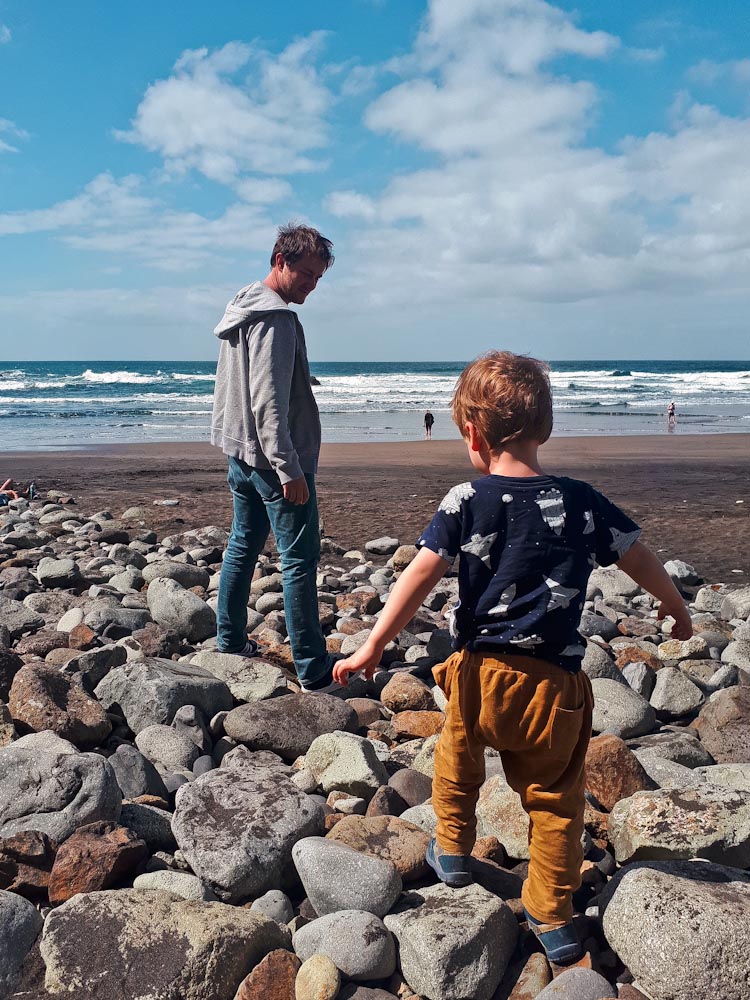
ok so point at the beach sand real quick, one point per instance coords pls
(682, 489)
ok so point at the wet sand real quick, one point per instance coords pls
(682, 489)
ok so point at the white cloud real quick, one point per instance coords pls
(5, 34)
(112, 216)
(10, 128)
(514, 205)
(708, 73)
(237, 110)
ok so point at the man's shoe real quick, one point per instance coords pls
(561, 944)
(249, 649)
(453, 869)
(326, 685)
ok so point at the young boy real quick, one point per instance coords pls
(527, 543)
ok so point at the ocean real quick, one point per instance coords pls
(64, 405)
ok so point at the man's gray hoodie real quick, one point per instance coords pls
(264, 409)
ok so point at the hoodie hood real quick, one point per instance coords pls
(249, 301)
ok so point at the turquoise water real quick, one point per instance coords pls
(72, 404)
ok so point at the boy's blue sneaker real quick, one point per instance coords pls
(561, 944)
(453, 869)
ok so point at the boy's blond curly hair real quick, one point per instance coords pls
(506, 396)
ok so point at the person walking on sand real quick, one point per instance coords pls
(265, 419)
(429, 420)
(526, 544)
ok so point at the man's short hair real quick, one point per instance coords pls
(294, 242)
(506, 396)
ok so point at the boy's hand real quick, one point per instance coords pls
(683, 625)
(364, 661)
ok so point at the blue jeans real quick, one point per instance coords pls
(259, 506)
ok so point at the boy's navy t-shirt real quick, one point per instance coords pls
(526, 549)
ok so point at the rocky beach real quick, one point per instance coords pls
(181, 824)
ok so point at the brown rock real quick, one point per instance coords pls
(331, 820)
(368, 711)
(155, 640)
(490, 849)
(272, 979)
(350, 626)
(82, 637)
(387, 837)
(317, 979)
(613, 772)
(724, 726)
(415, 725)
(43, 698)
(365, 601)
(26, 861)
(277, 653)
(386, 802)
(151, 800)
(634, 654)
(641, 628)
(333, 644)
(401, 558)
(59, 657)
(41, 643)
(94, 857)
(525, 978)
(406, 693)
(10, 664)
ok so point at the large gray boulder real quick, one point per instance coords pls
(20, 923)
(131, 944)
(347, 763)
(619, 710)
(357, 942)
(237, 828)
(736, 604)
(185, 574)
(453, 943)
(55, 793)
(57, 572)
(181, 610)
(17, 618)
(674, 694)
(705, 821)
(336, 877)
(681, 928)
(249, 679)
(578, 984)
(289, 725)
(149, 692)
(500, 814)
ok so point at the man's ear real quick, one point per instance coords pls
(280, 263)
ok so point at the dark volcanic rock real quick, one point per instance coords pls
(289, 724)
(25, 864)
(43, 698)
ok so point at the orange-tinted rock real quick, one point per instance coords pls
(490, 849)
(42, 697)
(387, 837)
(350, 626)
(415, 725)
(634, 654)
(613, 772)
(95, 857)
(405, 693)
(272, 979)
(525, 978)
(41, 643)
(364, 602)
(26, 861)
(82, 637)
(724, 726)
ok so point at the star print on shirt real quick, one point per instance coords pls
(451, 502)
(588, 517)
(623, 540)
(550, 503)
(526, 642)
(560, 597)
(506, 599)
(479, 546)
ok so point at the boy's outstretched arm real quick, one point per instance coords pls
(640, 563)
(411, 588)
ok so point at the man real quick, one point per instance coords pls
(265, 419)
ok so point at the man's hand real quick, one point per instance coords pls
(365, 661)
(296, 491)
(683, 625)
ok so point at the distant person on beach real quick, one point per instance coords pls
(429, 420)
(265, 419)
(526, 544)
(671, 415)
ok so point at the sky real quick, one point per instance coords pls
(569, 180)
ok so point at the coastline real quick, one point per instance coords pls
(681, 488)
